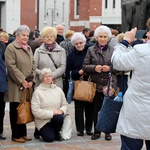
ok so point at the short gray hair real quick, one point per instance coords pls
(22, 28)
(77, 36)
(102, 28)
(43, 72)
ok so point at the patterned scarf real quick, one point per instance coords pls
(50, 47)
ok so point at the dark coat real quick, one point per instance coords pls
(95, 57)
(59, 38)
(74, 62)
(3, 84)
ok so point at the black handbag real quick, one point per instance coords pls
(109, 113)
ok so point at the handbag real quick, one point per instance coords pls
(109, 113)
(70, 89)
(66, 129)
(84, 90)
(24, 109)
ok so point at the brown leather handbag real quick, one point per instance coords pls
(24, 109)
(84, 90)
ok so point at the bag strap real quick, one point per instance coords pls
(70, 76)
(110, 80)
(52, 61)
(24, 94)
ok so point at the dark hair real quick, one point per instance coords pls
(91, 34)
(85, 30)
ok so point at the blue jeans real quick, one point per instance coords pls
(133, 144)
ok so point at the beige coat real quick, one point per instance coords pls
(47, 98)
(20, 64)
(43, 60)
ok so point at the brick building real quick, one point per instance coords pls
(92, 13)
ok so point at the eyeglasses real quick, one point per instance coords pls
(78, 43)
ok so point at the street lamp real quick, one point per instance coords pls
(54, 12)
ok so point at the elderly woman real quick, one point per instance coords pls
(49, 107)
(50, 55)
(97, 64)
(74, 64)
(21, 72)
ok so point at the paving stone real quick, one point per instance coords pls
(75, 143)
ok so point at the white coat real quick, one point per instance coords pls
(47, 98)
(134, 118)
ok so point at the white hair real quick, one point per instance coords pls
(77, 36)
(102, 28)
(43, 72)
(22, 28)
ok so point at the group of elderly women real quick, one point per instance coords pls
(48, 64)
(46, 68)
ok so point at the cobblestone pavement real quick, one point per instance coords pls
(75, 143)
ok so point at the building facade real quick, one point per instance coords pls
(73, 14)
(16, 12)
(92, 13)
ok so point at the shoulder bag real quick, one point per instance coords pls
(109, 113)
(66, 129)
(70, 89)
(84, 90)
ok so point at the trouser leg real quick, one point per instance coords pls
(79, 115)
(18, 130)
(130, 143)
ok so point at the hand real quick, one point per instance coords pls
(25, 84)
(58, 112)
(130, 35)
(30, 84)
(105, 68)
(81, 72)
(98, 68)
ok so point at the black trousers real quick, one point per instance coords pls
(97, 104)
(18, 130)
(49, 131)
(2, 111)
(81, 109)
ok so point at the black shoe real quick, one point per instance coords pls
(108, 137)
(89, 133)
(36, 133)
(95, 136)
(2, 137)
(80, 133)
(58, 137)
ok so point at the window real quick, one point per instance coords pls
(114, 3)
(77, 7)
(105, 3)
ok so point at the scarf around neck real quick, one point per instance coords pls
(50, 47)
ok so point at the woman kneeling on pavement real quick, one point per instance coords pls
(49, 106)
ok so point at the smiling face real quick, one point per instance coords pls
(49, 38)
(102, 38)
(47, 79)
(23, 37)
